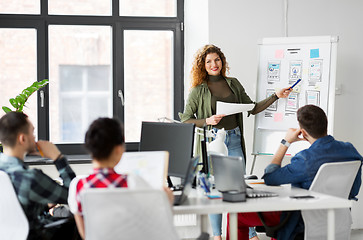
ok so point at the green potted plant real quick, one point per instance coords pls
(19, 101)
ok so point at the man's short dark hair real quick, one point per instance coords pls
(313, 119)
(102, 136)
(11, 125)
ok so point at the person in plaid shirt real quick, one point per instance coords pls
(105, 141)
(35, 190)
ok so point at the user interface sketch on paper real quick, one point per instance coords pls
(152, 166)
(308, 65)
(283, 66)
(232, 108)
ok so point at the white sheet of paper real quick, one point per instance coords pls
(151, 166)
(232, 108)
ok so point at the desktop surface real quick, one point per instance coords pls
(203, 206)
(283, 202)
(72, 159)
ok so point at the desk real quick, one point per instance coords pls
(81, 165)
(204, 206)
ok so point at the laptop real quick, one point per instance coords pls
(229, 177)
(188, 181)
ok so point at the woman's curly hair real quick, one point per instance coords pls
(198, 72)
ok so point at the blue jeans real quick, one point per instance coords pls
(233, 143)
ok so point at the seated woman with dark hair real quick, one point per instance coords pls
(105, 141)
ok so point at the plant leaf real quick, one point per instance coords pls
(26, 92)
(33, 89)
(20, 102)
(21, 98)
(40, 84)
(36, 84)
(14, 103)
(6, 109)
(44, 82)
(30, 90)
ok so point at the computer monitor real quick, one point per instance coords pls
(176, 138)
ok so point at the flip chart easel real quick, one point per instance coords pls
(282, 61)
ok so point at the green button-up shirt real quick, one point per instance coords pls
(198, 106)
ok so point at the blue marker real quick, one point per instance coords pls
(205, 185)
(295, 83)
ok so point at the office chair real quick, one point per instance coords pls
(119, 213)
(13, 221)
(335, 179)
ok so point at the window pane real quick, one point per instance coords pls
(70, 114)
(20, 6)
(70, 78)
(96, 106)
(80, 79)
(156, 8)
(148, 79)
(97, 78)
(84, 7)
(18, 68)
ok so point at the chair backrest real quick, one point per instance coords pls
(334, 179)
(13, 221)
(72, 194)
(117, 213)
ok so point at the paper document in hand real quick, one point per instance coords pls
(232, 108)
(152, 166)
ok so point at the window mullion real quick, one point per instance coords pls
(43, 73)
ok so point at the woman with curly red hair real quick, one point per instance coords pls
(209, 85)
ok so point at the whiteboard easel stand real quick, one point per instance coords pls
(333, 40)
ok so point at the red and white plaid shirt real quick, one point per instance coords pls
(101, 178)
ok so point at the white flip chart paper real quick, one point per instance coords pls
(232, 108)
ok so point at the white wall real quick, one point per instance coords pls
(342, 18)
(236, 26)
(196, 34)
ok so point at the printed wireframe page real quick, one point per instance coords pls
(232, 108)
(152, 166)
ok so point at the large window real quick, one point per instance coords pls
(112, 58)
(159, 8)
(148, 78)
(84, 95)
(80, 79)
(18, 66)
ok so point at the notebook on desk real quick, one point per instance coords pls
(229, 177)
(188, 181)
